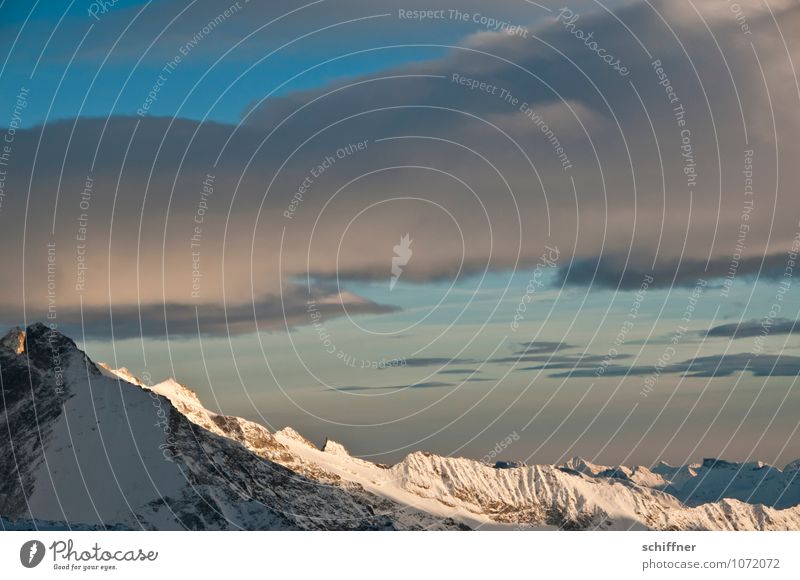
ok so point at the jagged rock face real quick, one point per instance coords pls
(85, 445)
(30, 404)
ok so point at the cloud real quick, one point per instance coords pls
(579, 100)
(424, 385)
(361, 162)
(541, 346)
(726, 365)
(437, 361)
(751, 328)
(591, 372)
(178, 320)
(612, 272)
(570, 360)
(720, 365)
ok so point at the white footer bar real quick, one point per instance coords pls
(225, 555)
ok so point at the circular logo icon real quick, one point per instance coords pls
(31, 553)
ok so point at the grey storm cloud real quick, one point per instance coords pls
(321, 184)
(648, 217)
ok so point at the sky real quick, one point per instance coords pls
(408, 226)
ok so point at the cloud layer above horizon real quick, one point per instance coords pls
(508, 142)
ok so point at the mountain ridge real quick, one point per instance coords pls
(196, 469)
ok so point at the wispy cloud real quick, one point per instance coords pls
(612, 272)
(720, 365)
(751, 328)
(438, 361)
(423, 385)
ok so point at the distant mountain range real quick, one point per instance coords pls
(84, 446)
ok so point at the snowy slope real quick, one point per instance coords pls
(710, 481)
(102, 452)
(751, 482)
(87, 448)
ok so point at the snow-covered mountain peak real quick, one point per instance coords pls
(14, 340)
(184, 398)
(290, 435)
(38, 330)
(714, 463)
(581, 465)
(335, 448)
(120, 373)
(49, 346)
(179, 394)
(663, 466)
(792, 466)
